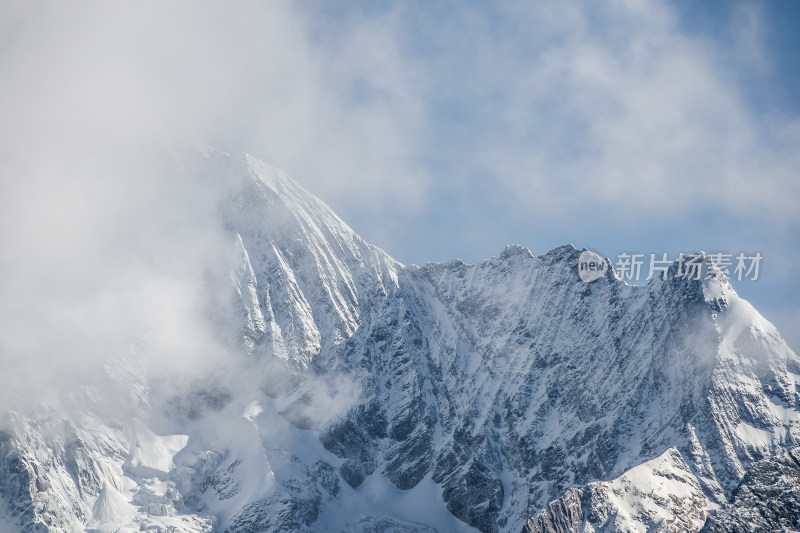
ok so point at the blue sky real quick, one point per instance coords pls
(451, 129)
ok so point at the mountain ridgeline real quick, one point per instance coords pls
(493, 397)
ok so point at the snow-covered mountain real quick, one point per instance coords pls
(368, 396)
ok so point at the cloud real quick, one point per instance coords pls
(616, 107)
(459, 122)
(340, 113)
(108, 240)
(388, 112)
(98, 258)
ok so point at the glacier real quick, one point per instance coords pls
(364, 395)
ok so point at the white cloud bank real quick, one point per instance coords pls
(552, 109)
(103, 237)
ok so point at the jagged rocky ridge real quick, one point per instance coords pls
(661, 494)
(767, 499)
(447, 397)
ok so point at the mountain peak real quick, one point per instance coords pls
(513, 250)
(564, 249)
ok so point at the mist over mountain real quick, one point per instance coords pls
(260, 367)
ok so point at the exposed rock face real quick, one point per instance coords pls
(564, 515)
(768, 499)
(447, 397)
